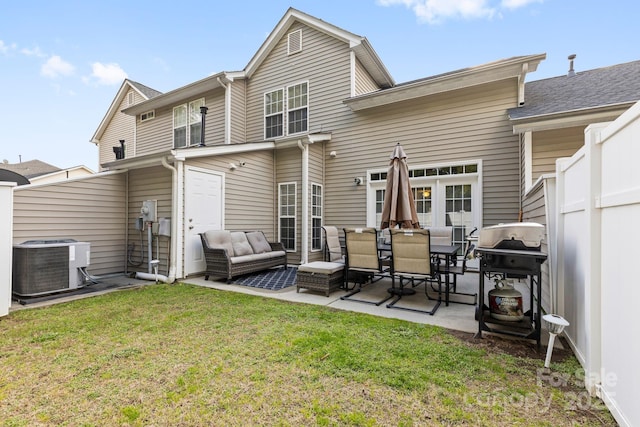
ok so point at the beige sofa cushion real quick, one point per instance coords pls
(219, 239)
(240, 244)
(258, 242)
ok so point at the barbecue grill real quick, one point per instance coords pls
(511, 251)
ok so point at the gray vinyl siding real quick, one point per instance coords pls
(534, 211)
(156, 136)
(289, 169)
(552, 144)
(148, 184)
(249, 190)
(89, 209)
(364, 82)
(456, 126)
(238, 111)
(329, 85)
(120, 127)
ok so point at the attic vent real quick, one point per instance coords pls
(130, 98)
(294, 42)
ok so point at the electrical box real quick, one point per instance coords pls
(164, 227)
(139, 223)
(149, 210)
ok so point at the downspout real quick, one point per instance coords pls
(227, 111)
(304, 192)
(173, 252)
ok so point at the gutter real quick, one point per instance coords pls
(173, 253)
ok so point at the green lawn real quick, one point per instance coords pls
(181, 355)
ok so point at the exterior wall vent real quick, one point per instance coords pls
(130, 98)
(294, 44)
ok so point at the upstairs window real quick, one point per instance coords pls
(187, 124)
(286, 109)
(297, 108)
(273, 112)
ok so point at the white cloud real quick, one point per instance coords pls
(435, 11)
(515, 4)
(4, 48)
(33, 52)
(56, 66)
(107, 74)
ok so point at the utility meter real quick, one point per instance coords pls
(149, 210)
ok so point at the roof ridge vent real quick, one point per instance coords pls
(571, 72)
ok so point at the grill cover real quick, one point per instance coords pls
(515, 235)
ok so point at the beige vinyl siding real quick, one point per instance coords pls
(328, 85)
(289, 169)
(534, 211)
(148, 184)
(550, 145)
(456, 126)
(249, 190)
(120, 127)
(364, 82)
(90, 209)
(156, 136)
(238, 111)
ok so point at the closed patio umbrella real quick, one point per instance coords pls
(399, 207)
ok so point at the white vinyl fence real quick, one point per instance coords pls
(598, 236)
(6, 245)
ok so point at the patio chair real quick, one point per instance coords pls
(412, 260)
(332, 246)
(362, 264)
(441, 236)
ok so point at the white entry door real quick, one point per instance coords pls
(204, 207)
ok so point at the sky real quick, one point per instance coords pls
(62, 62)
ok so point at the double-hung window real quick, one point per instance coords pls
(316, 217)
(286, 110)
(187, 123)
(287, 215)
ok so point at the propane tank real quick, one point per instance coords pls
(505, 302)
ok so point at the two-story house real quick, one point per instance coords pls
(301, 137)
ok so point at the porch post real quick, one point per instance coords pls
(304, 193)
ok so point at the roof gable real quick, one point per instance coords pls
(360, 46)
(144, 91)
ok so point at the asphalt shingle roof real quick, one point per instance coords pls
(617, 84)
(146, 90)
(31, 168)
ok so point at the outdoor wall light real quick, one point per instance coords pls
(556, 325)
(357, 180)
(232, 166)
(333, 154)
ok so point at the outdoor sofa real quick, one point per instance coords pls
(234, 253)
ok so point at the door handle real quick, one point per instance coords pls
(191, 227)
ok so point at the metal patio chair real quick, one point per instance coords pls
(362, 263)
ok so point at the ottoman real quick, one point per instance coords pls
(320, 276)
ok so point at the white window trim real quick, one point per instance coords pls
(187, 124)
(150, 116)
(437, 184)
(295, 214)
(321, 216)
(286, 110)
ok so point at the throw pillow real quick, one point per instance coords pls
(258, 242)
(240, 244)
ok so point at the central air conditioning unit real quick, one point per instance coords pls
(43, 267)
